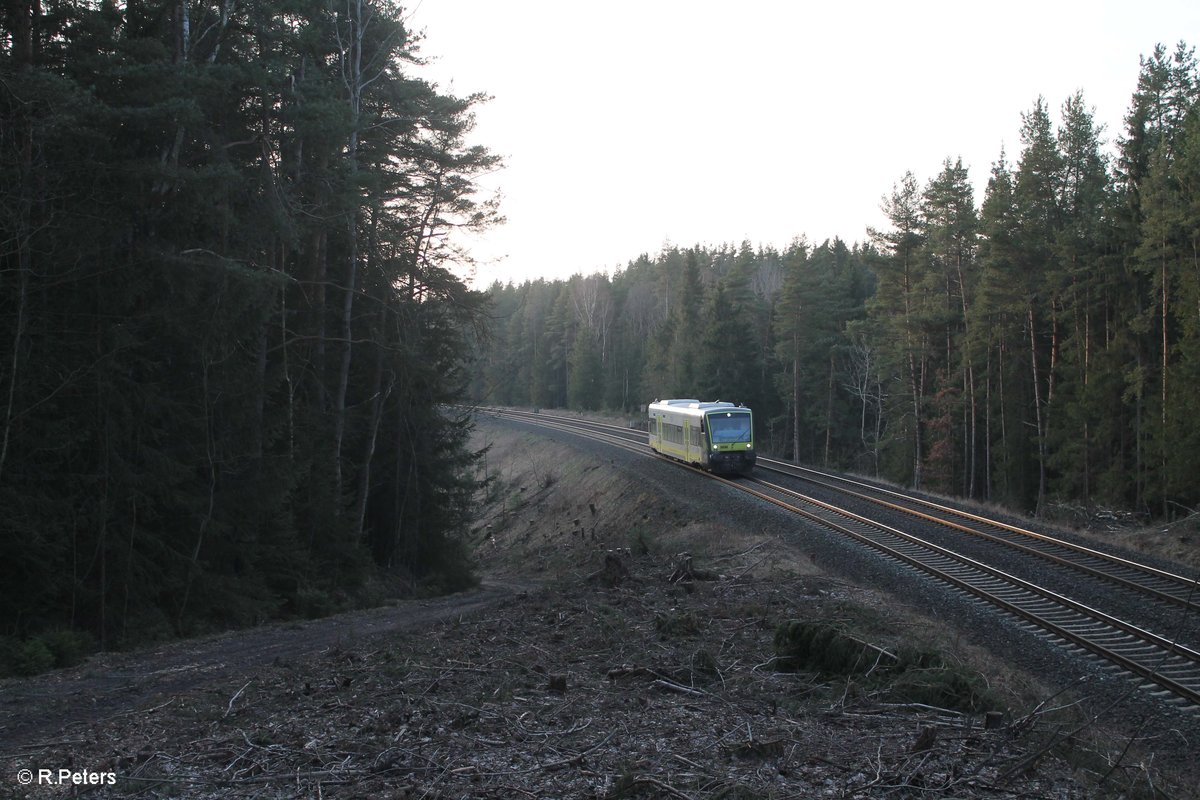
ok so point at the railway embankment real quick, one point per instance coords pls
(876, 601)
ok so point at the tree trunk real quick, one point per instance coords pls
(916, 388)
(1164, 436)
(378, 396)
(796, 398)
(987, 428)
(18, 336)
(1037, 409)
(260, 391)
(970, 450)
(1005, 472)
(356, 83)
(1087, 438)
(24, 44)
(829, 413)
(209, 449)
(24, 16)
(343, 381)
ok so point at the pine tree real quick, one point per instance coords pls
(1155, 127)
(1091, 280)
(951, 225)
(901, 304)
(792, 328)
(585, 391)
(726, 365)
(1036, 274)
(997, 335)
(226, 264)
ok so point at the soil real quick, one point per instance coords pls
(622, 644)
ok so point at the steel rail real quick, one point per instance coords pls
(1165, 586)
(1142, 652)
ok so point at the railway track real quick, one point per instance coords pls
(1164, 586)
(1159, 663)
(1164, 665)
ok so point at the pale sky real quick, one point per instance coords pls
(631, 124)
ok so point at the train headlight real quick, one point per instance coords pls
(750, 446)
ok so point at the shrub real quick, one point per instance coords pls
(686, 624)
(9, 645)
(704, 664)
(820, 647)
(914, 675)
(67, 646)
(33, 657)
(949, 687)
(312, 603)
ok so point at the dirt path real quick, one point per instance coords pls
(109, 685)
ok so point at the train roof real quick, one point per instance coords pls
(694, 405)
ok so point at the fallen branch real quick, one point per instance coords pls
(671, 686)
(237, 694)
(665, 787)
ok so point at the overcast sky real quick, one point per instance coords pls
(631, 124)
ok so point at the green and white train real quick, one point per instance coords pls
(717, 436)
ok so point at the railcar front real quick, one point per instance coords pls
(730, 436)
(714, 435)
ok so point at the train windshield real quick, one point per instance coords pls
(727, 427)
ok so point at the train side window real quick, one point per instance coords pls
(674, 433)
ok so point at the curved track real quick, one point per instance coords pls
(1164, 666)
(1164, 586)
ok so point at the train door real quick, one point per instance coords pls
(687, 441)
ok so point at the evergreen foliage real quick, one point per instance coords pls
(229, 340)
(227, 332)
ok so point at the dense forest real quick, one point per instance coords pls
(231, 342)
(228, 329)
(1042, 346)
